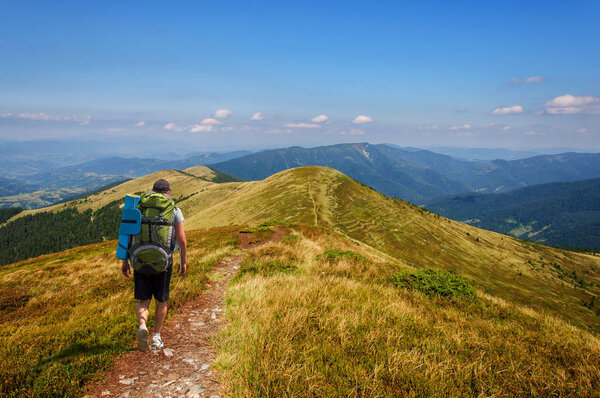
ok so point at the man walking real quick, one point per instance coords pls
(149, 284)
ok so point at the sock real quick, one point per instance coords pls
(157, 335)
(142, 326)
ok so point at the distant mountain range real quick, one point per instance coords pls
(418, 175)
(45, 188)
(562, 214)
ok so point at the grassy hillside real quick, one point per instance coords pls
(356, 299)
(64, 316)
(559, 214)
(542, 277)
(316, 315)
(563, 283)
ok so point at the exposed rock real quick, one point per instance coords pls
(195, 391)
(168, 352)
(128, 382)
(105, 393)
(204, 367)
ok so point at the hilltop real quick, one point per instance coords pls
(548, 279)
(418, 175)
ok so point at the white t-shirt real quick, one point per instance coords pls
(177, 218)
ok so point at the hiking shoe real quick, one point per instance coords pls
(143, 338)
(157, 344)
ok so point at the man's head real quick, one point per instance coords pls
(161, 186)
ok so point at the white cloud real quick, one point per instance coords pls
(114, 130)
(141, 123)
(210, 120)
(82, 119)
(508, 110)
(582, 130)
(274, 130)
(198, 128)
(535, 133)
(227, 128)
(362, 119)
(528, 80)
(172, 127)
(428, 127)
(463, 127)
(506, 128)
(222, 113)
(257, 116)
(462, 110)
(534, 79)
(319, 119)
(5, 115)
(569, 104)
(302, 125)
(353, 132)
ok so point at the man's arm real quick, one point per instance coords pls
(180, 233)
(125, 269)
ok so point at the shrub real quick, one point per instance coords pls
(333, 254)
(274, 223)
(434, 283)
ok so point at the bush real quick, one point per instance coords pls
(434, 283)
(274, 223)
(333, 254)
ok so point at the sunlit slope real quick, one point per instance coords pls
(64, 316)
(561, 282)
(539, 276)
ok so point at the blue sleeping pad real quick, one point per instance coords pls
(131, 224)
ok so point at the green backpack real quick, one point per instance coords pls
(151, 251)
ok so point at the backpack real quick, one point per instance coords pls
(151, 251)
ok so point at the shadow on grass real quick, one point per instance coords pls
(78, 350)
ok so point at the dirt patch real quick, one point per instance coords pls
(183, 368)
(248, 238)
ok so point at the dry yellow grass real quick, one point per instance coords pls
(65, 316)
(339, 328)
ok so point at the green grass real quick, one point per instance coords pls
(434, 282)
(65, 316)
(315, 332)
(333, 254)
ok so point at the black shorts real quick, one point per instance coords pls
(157, 285)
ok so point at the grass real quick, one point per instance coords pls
(65, 316)
(434, 283)
(315, 332)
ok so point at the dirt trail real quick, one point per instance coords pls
(183, 368)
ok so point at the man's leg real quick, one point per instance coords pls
(143, 310)
(160, 315)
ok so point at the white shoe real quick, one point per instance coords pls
(157, 344)
(142, 338)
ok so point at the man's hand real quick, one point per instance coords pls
(126, 269)
(182, 269)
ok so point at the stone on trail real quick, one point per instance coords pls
(105, 393)
(168, 352)
(204, 367)
(195, 391)
(128, 382)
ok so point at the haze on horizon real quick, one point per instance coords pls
(233, 75)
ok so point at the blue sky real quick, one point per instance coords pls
(230, 75)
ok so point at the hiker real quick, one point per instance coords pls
(152, 278)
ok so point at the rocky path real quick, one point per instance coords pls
(183, 367)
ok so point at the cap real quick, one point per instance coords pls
(161, 186)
